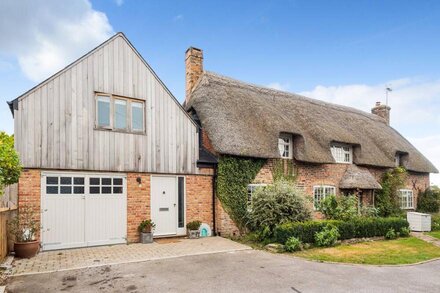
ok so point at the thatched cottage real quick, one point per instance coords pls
(334, 149)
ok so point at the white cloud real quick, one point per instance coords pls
(414, 102)
(178, 17)
(46, 36)
(279, 86)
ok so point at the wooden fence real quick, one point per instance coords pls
(5, 215)
(9, 198)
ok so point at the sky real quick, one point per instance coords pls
(346, 52)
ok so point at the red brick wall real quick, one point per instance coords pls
(225, 225)
(138, 203)
(199, 199)
(29, 193)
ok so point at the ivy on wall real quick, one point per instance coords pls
(387, 199)
(233, 176)
(284, 170)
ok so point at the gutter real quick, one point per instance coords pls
(214, 183)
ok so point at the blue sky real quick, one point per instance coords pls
(339, 51)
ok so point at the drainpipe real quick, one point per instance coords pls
(214, 180)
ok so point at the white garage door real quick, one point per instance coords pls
(81, 210)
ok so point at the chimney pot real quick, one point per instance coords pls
(193, 68)
(377, 104)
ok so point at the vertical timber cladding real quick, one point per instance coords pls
(55, 122)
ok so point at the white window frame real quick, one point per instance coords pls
(406, 197)
(397, 160)
(323, 194)
(98, 98)
(127, 104)
(251, 188)
(129, 101)
(282, 144)
(340, 151)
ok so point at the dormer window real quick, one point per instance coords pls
(398, 160)
(285, 146)
(342, 153)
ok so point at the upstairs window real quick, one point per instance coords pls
(342, 153)
(137, 116)
(103, 111)
(120, 114)
(398, 160)
(285, 146)
(406, 199)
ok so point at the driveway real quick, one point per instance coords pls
(239, 271)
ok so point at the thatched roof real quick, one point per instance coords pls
(356, 177)
(246, 120)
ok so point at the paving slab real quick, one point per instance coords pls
(68, 259)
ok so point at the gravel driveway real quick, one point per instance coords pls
(241, 271)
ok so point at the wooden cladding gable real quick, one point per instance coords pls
(55, 122)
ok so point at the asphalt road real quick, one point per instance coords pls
(244, 271)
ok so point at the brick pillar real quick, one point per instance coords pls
(138, 203)
(29, 194)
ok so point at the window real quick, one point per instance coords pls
(342, 153)
(181, 202)
(406, 199)
(137, 116)
(103, 111)
(285, 146)
(113, 113)
(64, 185)
(251, 189)
(398, 160)
(120, 114)
(321, 192)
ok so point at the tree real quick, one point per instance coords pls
(10, 167)
(387, 199)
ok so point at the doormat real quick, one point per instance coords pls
(167, 240)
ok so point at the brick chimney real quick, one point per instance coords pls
(382, 111)
(194, 69)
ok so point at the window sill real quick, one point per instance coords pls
(120, 131)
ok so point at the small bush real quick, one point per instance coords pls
(327, 237)
(369, 212)
(146, 226)
(435, 222)
(194, 225)
(391, 234)
(356, 228)
(276, 204)
(428, 201)
(342, 207)
(292, 244)
(404, 232)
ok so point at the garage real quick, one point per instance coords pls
(82, 209)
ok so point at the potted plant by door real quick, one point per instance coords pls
(193, 229)
(22, 229)
(146, 231)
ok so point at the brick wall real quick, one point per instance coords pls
(138, 203)
(225, 225)
(199, 199)
(29, 187)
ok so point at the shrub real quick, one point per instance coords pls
(292, 244)
(327, 237)
(435, 222)
(428, 201)
(146, 226)
(339, 207)
(391, 234)
(356, 228)
(369, 212)
(194, 225)
(404, 232)
(276, 204)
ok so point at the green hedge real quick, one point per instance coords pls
(357, 228)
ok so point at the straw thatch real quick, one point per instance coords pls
(356, 177)
(246, 120)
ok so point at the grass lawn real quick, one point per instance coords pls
(392, 252)
(435, 234)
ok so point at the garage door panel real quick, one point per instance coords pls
(63, 219)
(83, 210)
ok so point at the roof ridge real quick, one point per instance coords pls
(285, 94)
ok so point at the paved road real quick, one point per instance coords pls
(242, 271)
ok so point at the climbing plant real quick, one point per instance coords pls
(387, 199)
(233, 176)
(283, 170)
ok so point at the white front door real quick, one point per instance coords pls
(164, 204)
(82, 210)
